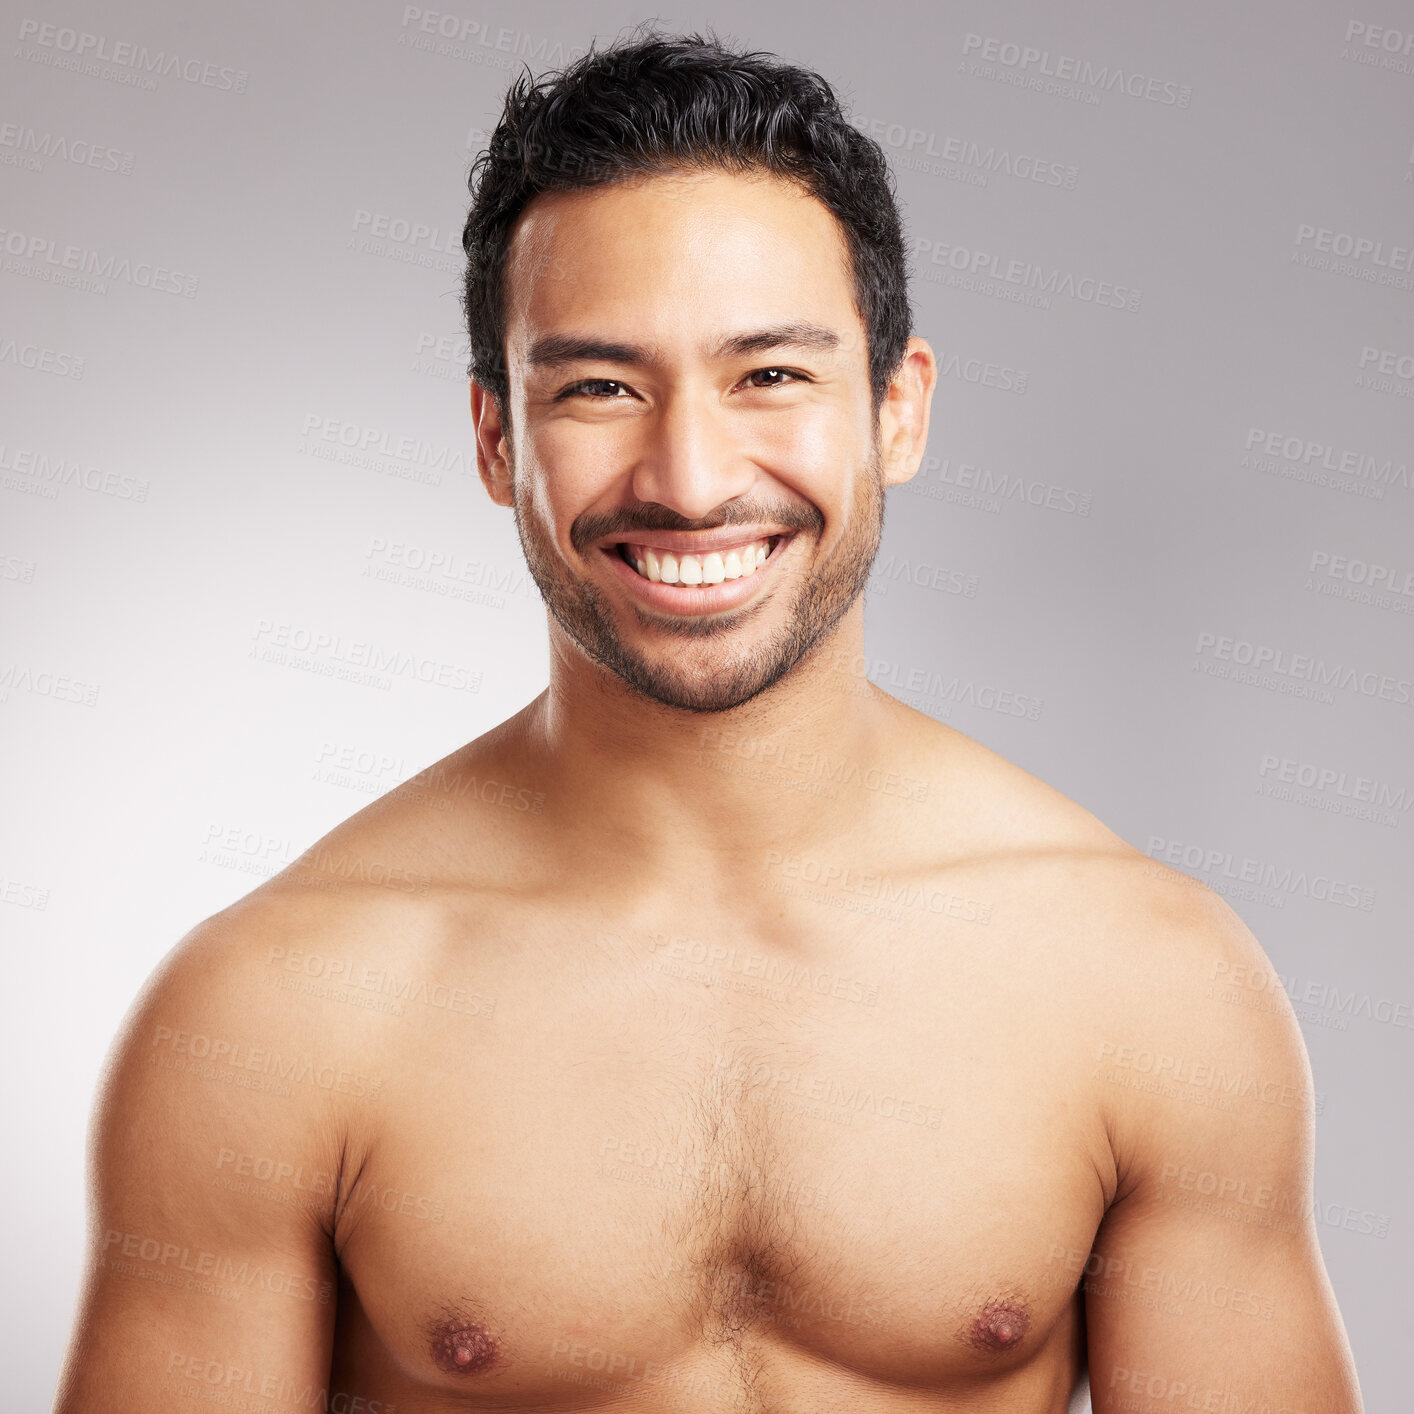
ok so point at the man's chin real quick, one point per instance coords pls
(703, 681)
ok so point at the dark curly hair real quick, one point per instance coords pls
(650, 104)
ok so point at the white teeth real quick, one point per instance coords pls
(663, 566)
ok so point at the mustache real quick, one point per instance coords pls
(649, 515)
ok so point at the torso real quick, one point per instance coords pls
(814, 1149)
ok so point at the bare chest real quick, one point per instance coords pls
(668, 1157)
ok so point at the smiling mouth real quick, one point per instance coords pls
(688, 570)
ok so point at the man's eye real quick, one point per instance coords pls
(587, 383)
(782, 372)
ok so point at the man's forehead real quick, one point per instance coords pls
(722, 262)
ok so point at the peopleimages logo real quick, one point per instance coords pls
(1391, 579)
(1265, 660)
(1061, 69)
(986, 267)
(403, 456)
(22, 146)
(63, 48)
(982, 372)
(42, 360)
(913, 145)
(332, 655)
(1262, 872)
(21, 677)
(1379, 46)
(1328, 780)
(1386, 371)
(402, 231)
(1314, 458)
(940, 477)
(440, 32)
(42, 256)
(1358, 257)
(45, 472)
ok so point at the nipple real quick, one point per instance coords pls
(462, 1348)
(999, 1325)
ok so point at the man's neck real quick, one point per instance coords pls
(701, 794)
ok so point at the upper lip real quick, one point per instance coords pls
(694, 542)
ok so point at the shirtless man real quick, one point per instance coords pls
(718, 1033)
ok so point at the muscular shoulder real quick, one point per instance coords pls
(272, 1035)
(225, 1009)
(1183, 1033)
(1155, 955)
(1161, 982)
(385, 896)
(218, 1073)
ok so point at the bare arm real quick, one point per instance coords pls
(1206, 1289)
(215, 1157)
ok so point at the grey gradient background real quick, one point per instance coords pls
(1119, 505)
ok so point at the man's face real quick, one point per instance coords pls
(698, 513)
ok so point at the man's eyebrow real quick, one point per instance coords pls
(556, 349)
(796, 335)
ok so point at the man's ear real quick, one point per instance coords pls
(492, 450)
(904, 412)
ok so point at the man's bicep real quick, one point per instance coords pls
(210, 1265)
(1193, 1310)
(1206, 1289)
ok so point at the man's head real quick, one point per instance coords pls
(687, 302)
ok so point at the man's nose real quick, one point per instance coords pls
(691, 459)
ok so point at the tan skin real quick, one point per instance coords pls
(596, 1068)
